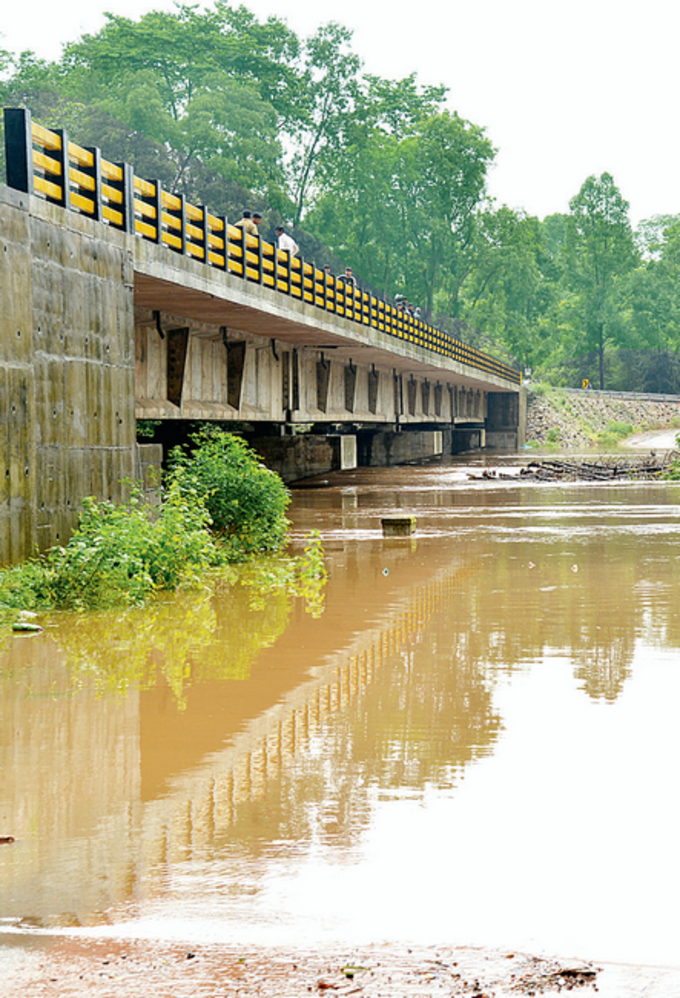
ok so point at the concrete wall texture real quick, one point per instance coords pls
(67, 389)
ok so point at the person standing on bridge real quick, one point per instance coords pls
(348, 277)
(286, 242)
(247, 224)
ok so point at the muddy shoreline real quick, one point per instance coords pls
(122, 969)
(76, 967)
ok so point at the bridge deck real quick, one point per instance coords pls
(321, 311)
(181, 286)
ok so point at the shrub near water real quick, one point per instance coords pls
(119, 554)
(219, 505)
(247, 502)
(614, 433)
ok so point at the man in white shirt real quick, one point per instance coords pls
(286, 242)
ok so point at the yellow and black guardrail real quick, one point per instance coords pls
(46, 163)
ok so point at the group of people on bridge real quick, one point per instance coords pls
(250, 223)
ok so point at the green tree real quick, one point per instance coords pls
(599, 251)
(208, 85)
(505, 292)
(364, 198)
(329, 89)
(400, 196)
(451, 160)
(651, 294)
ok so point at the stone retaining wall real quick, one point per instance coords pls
(576, 420)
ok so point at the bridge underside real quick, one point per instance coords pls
(210, 346)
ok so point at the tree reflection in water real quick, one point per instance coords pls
(178, 638)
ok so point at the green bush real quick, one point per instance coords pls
(673, 473)
(146, 428)
(613, 433)
(246, 501)
(119, 554)
(219, 505)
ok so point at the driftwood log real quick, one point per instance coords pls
(607, 469)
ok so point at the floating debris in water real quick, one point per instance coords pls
(398, 526)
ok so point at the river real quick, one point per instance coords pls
(473, 737)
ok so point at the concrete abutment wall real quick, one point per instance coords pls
(67, 388)
(506, 420)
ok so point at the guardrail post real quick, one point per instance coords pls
(96, 174)
(158, 205)
(128, 192)
(203, 243)
(19, 149)
(260, 264)
(225, 223)
(65, 164)
(244, 249)
(182, 215)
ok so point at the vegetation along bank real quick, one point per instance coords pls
(219, 507)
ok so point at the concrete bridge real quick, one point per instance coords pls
(121, 302)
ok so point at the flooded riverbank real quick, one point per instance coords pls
(473, 744)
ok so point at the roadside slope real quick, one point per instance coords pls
(570, 420)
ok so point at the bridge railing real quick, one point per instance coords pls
(46, 163)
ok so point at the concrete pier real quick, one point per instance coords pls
(296, 457)
(385, 448)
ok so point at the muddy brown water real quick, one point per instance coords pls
(476, 741)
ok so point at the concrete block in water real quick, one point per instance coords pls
(398, 526)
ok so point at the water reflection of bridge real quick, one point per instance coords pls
(109, 792)
(99, 817)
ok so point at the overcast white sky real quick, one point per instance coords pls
(564, 89)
